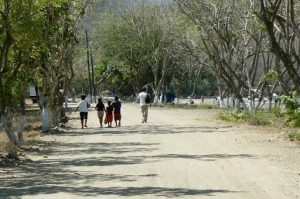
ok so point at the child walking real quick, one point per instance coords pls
(109, 114)
(100, 111)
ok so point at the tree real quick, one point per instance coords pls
(231, 40)
(280, 21)
(142, 40)
(56, 72)
(27, 30)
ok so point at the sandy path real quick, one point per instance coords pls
(178, 154)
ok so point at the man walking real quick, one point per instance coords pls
(83, 107)
(144, 98)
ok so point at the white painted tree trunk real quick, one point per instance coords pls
(237, 105)
(8, 126)
(250, 107)
(45, 119)
(228, 102)
(161, 98)
(222, 103)
(156, 97)
(66, 102)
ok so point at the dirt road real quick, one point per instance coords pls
(177, 154)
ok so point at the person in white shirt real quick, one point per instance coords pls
(144, 106)
(83, 106)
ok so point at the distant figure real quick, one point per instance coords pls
(117, 111)
(100, 111)
(109, 114)
(219, 100)
(83, 106)
(144, 106)
(202, 99)
(190, 100)
(275, 98)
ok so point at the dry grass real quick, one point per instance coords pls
(32, 130)
(29, 137)
(4, 143)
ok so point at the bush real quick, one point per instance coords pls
(188, 106)
(292, 110)
(233, 116)
(295, 136)
(262, 118)
(277, 112)
(259, 118)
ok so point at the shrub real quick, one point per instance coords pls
(258, 118)
(190, 106)
(261, 118)
(232, 116)
(292, 110)
(295, 136)
(207, 106)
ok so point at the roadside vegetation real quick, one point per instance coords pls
(12, 155)
(233, 50)
(259, 118)
(32, 131)
(295, 136)
(188, 106)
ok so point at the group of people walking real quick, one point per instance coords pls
(106, 114)
(112, 111)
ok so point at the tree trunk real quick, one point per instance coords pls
(250, 106)
(156, 99)
(270, 102)
(55, 116)
(66, 102)
(161, 99)
(73, 95)
(237, 105)
(38, 97)
(8, 126)
(45, 119)
(228, 102)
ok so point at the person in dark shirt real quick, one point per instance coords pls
(117, 111)
(100, 111)
(109, 113)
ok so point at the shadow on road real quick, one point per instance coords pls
(89, 191)
(145, 129)
(59, 175)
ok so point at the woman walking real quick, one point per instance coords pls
(100, 111)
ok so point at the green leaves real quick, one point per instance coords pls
(292, 109)
(46, 3)
(271, 75)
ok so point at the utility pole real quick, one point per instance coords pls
(88, 63)
(93, 77)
